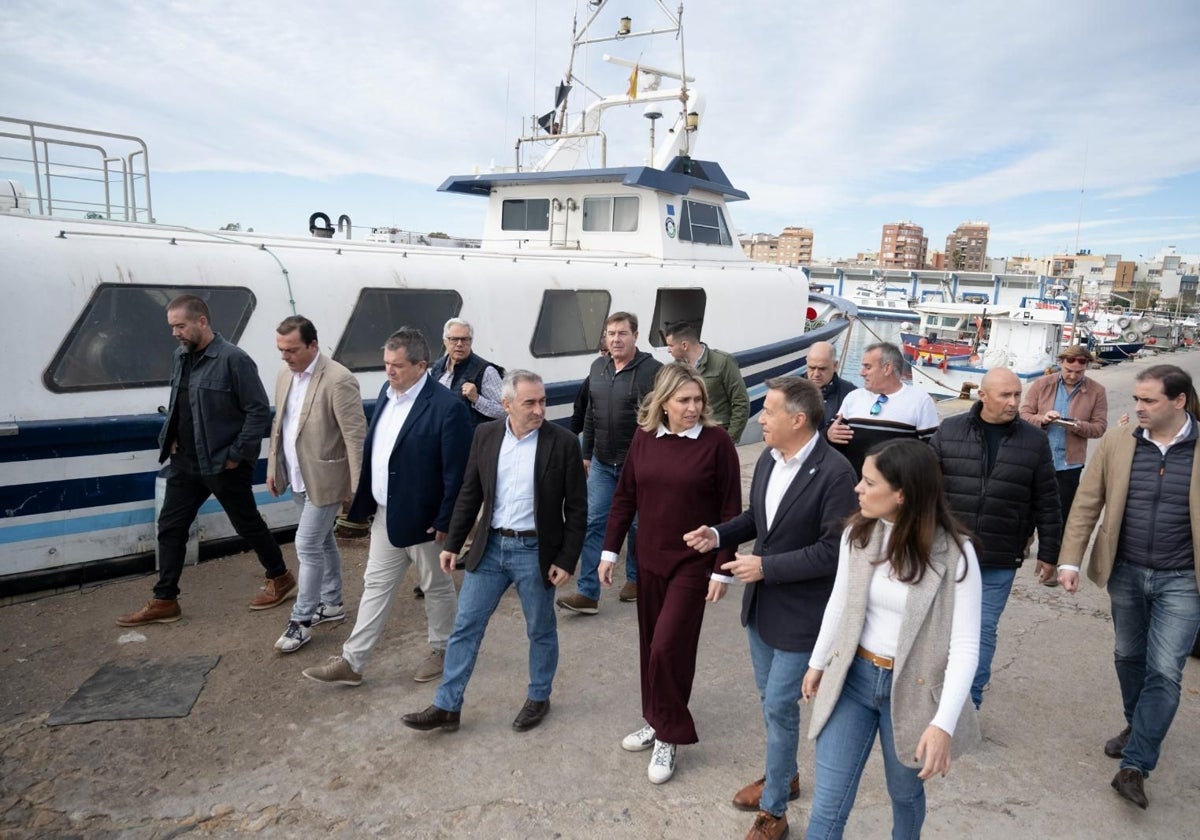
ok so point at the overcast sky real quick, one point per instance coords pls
(837, 116)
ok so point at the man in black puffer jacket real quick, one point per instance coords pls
(1000, 484)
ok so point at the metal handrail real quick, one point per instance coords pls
(43, 136)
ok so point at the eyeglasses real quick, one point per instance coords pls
(880, 402)
(457, 340)
(1073, 360)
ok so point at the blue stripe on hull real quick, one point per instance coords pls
(109, 521)
(74, 498)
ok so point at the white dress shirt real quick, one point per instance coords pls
(391, 421)
(291, 423)
(515, 481)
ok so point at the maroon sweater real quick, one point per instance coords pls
(675, 485)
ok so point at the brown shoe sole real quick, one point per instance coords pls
(168, 620)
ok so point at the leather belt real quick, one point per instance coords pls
(509, 532)
(875, 659)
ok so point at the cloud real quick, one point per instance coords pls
(841, 116)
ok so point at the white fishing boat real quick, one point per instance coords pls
(881, 300)
(1024, 340)
(88, 354)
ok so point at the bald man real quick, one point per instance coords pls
(821, 370)
(1000, 484)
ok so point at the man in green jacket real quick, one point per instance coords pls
(727, 396)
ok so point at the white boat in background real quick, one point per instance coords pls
(879, 300)
(1024, 340)
(88, 359)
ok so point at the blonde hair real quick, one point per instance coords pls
(670, 378)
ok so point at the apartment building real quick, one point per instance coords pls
(966, 247)
(903, 245)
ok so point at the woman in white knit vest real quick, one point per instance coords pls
(898, 645)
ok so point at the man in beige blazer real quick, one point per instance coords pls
(316, 449)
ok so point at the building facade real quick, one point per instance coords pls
(903, 245)
(966, 247)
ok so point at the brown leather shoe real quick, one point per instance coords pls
(1130, 783)
(274, 592)
(768, 827)
(531, 714)
(628, 593)
(432, 718)
(747, 799)
(1115, 746)
(156, 611)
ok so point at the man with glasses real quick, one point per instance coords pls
(1071, 408)
(882, 409)
(821, 370)
(472, 377)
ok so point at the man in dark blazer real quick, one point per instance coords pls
(800, 496)
(527, 476)
(412, 468)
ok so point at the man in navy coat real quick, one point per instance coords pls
(800, 496)
(413, 463)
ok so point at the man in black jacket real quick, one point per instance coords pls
(617, 384)
(821, 370)
(1000, 484)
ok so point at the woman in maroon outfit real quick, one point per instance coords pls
(682, 470)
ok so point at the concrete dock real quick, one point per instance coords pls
(265, 751)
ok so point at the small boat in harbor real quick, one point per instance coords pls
(565, 243)
(1024, 340)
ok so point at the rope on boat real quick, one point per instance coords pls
(911, 367)
(287, 277)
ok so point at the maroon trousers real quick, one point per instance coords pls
(670, 614)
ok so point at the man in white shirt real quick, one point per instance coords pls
(316, 449)
(527, 478)
(800, 496)
(882, 409)
(413, 462)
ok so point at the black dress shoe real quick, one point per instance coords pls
(1115, 746)
(531, 714)
(432, 718)
(1130, 784)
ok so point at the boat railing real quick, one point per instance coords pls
(78, 171)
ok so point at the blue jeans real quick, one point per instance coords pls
(1155, 617)
(601, 484)
(778, 675)
(320, 578)
(843, 747)
(997, 584)
(507, 560)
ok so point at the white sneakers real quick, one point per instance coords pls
(328, 612)
(643, 739)
(294, 637)
(662, 762)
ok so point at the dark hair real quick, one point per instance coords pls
(412, 341)
(623, 316)
(193, 307)
(683, 331)
(910, 467)
(308, 331)
(800, 397)
(1175, 381)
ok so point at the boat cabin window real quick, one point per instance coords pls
(704, 223)
(525, 214)
(611, 213)
(380, 312)
(570, 322)
(674, 305)
(122, 340)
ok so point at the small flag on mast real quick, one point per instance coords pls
(633, 80)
